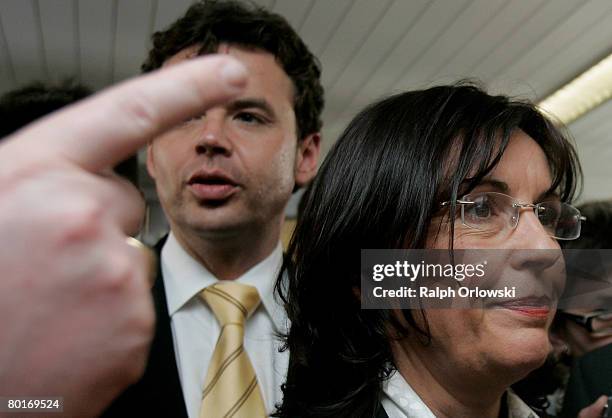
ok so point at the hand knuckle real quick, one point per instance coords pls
(120, 271)
(137, 362)
(141, 113)
(80, 224)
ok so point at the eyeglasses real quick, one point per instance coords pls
(495, 212)
(598, 323)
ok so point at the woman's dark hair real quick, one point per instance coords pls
(379, 187)
(211, 22)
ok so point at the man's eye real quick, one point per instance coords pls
(250, 118)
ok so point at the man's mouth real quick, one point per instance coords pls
(212, 186)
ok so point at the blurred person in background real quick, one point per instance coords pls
(24, 105)
(576, 332)
(587, 333)
(585, 330)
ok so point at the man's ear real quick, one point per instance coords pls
(150, 160)
(307, 159)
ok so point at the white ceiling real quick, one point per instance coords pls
(367, 49)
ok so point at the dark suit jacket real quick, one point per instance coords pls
(159, 392)
(591, 377)
(381, 413)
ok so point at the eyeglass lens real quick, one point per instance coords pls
(602, 324)
(493, 212)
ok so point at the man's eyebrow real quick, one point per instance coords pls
(260, 104)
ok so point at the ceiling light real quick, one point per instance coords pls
(582, 94)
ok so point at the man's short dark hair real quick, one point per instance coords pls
(210, 22)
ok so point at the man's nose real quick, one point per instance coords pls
(212, 138)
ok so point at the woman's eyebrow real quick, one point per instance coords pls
(503, 187)
(548, 195)
(497, 185)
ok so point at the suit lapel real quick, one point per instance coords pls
(159, 392)
(161, 375)
(381, 413)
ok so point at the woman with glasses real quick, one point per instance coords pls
(447, 167)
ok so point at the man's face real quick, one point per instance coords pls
(235, 166)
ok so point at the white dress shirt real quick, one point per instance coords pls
(195, 329)
(401, 401)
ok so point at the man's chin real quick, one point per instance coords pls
(219, 220)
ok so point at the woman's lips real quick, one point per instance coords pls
(541, 312)
(532, 307)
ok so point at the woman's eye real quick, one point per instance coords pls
(482, 210)
(548, 215)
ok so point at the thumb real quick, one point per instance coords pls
(594, 410)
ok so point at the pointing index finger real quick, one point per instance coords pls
(108, 127)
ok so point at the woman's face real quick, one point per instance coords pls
(499, 340)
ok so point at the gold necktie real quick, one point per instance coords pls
(230, 388)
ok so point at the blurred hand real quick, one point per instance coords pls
(76, 316)
(595, 409)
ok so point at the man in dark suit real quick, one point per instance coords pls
(591, 378)
(223, 180)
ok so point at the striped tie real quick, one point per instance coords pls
(230, 388)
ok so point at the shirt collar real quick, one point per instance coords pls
(406, 400)
(184, 278)
(517, 408)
